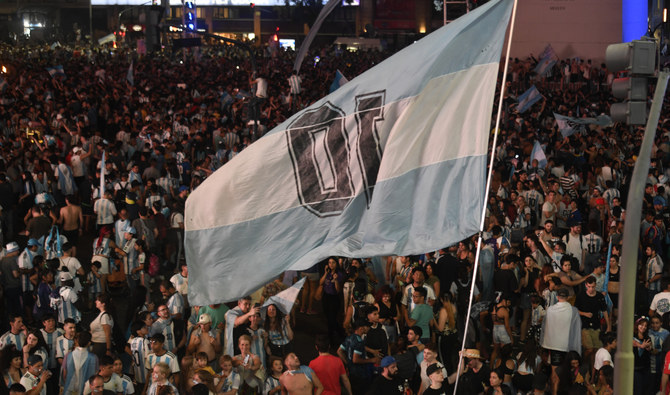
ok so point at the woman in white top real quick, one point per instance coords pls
(101, 328)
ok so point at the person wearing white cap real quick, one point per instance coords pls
(10, 279)
(205, 339)
(68, 297)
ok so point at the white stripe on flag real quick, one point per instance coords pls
(392, 162)
(286, 298)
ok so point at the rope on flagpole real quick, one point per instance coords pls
(488, 188)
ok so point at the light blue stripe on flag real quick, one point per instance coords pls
(339, 80)
(528, 98)
(372, 169)
(102, 176)
(538, 153)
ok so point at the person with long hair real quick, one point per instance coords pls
(331, 283)
(389, 314)
(35, 345)
(447, 332)
(572, 375)
(642, 346)
(11, 365)
(497, 386)
(528, 363)
(248, 366)
(101, 327)
(279, 331)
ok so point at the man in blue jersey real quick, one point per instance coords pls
(16, 334)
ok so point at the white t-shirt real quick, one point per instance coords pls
(602, 356)
(97, 333)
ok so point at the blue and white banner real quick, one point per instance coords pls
(570, 125)
(528, 98)
(393, 162)
(307, 42)
(56, 71)
(538, 153)
(338, 82)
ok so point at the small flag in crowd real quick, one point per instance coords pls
(570, 125)
(286, 298)
(528, 98)
(130, 77)
(339, 80)
(325, 181)
(548, 59)
(56, 71)
(538, 153)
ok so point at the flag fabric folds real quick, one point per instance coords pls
(528, 98)
(130, 76)
(302, 51)
(339, 81)
(285, 299)
(548, 59)
(393, 162)
(538, 153)
(570, 125)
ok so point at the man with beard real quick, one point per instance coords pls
(388, 382)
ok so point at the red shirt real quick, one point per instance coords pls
(328, 369)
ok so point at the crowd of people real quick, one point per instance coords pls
(98, 160)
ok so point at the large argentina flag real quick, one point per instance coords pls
(393, 162)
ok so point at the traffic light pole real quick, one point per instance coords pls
(624, 365)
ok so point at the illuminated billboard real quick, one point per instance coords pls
(199, 3)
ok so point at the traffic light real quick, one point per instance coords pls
(190, 18)
(638, 58)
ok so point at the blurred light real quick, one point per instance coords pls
(251, 36)
(137, 28)
(275, 38)
(4, 70)
(665, 15)
(252, 5)
(190, 26)
(317, 59)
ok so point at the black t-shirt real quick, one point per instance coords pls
(474, 382)
(532, 276)
(383, 386)
(444, 389)
(505, 282)
(592, 304)
(376, 339)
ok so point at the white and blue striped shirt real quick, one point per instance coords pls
(139, 347)
(50, 340)
(127, 385)
(106, 211)
(9, 338)
(130, 260)
(169, 358)
(176, 304)
(25, 261)
(63, 346)
(119, 230)
(66, 308)
(258, 343)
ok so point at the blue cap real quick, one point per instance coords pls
(387, 361)
(131, 230)
(183, 188)
(33, 243)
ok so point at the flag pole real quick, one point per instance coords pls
(486, 193)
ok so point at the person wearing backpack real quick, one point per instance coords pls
(575, 245)
(146, 229)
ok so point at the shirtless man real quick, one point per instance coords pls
(204, 339)
(298, 379)
(71, 220)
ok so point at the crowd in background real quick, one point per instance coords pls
(545, 295)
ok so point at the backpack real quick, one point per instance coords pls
(154, 265)
(408, 368)
(147, 235)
